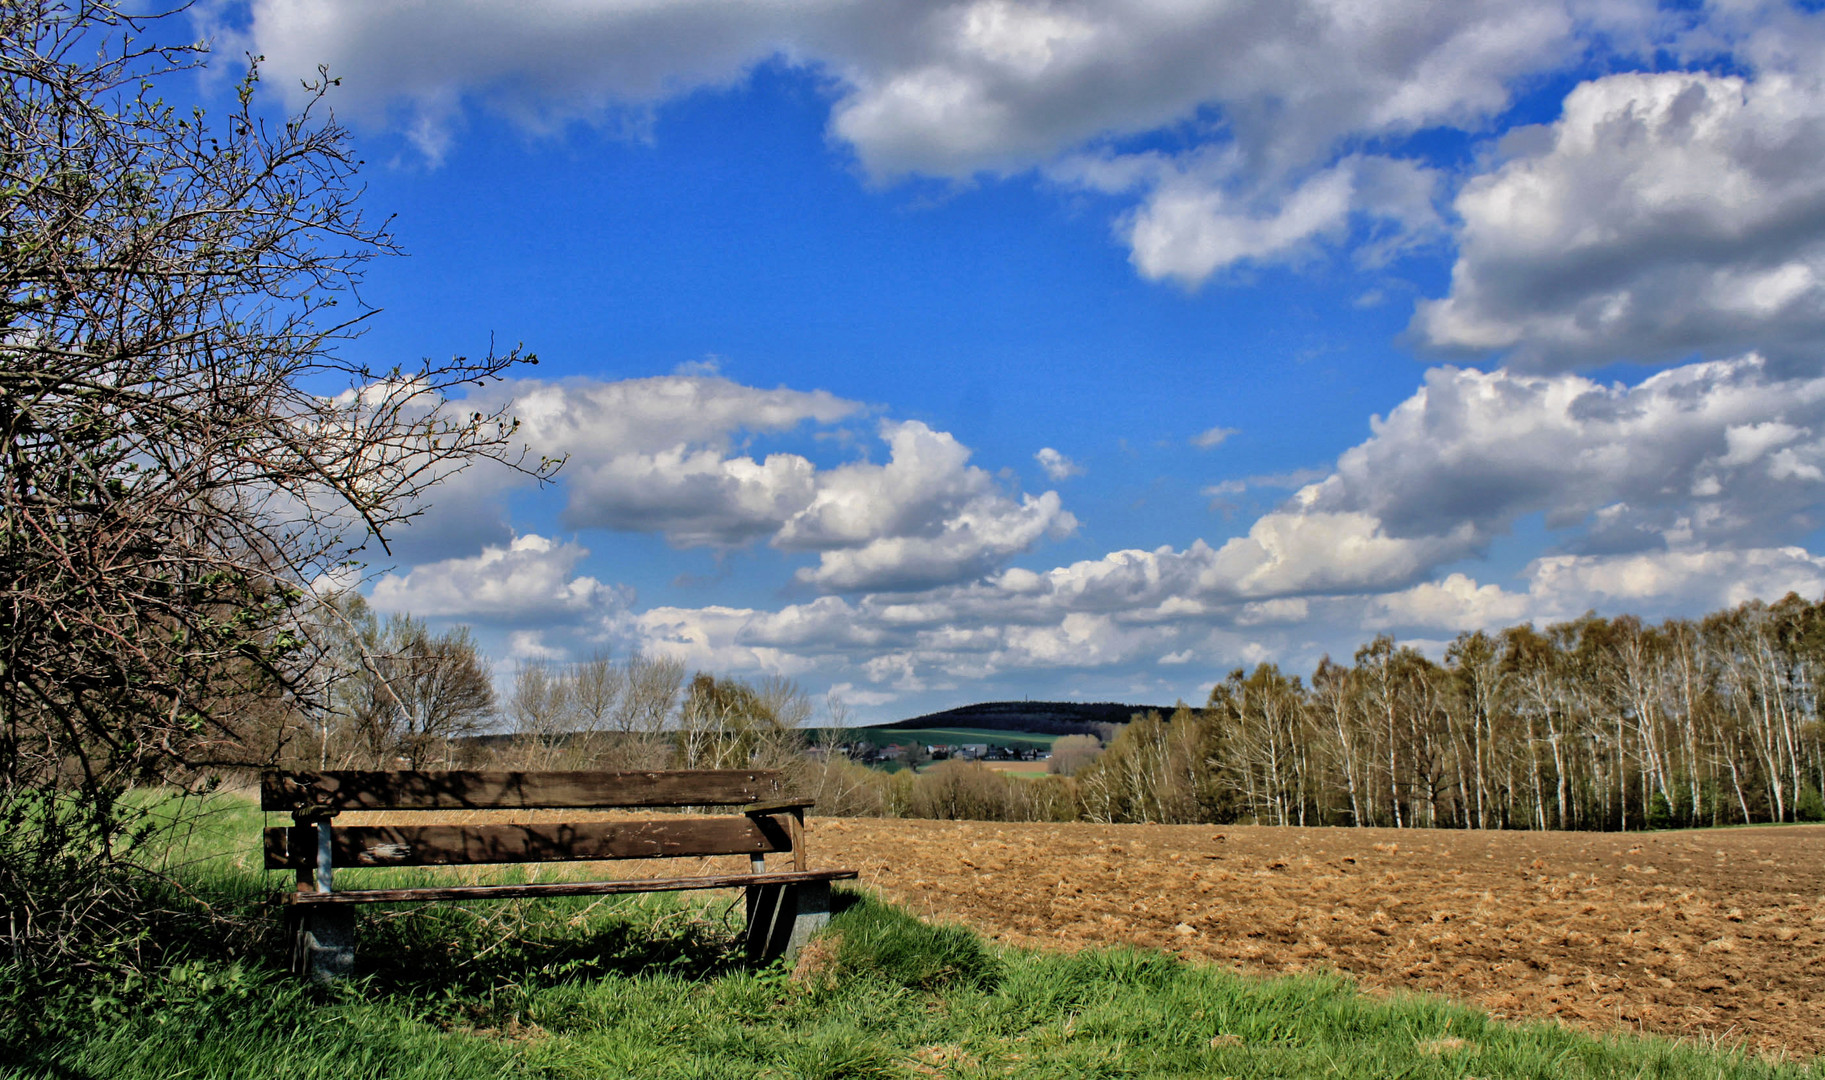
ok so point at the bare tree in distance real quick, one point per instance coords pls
(650, 694)
(540, 708)
(415, 691)
(596, 713)
(183, 449)
(597, 688)
(841, 786)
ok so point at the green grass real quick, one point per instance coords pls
(655, 988)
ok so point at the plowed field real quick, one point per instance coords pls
(1716, 935)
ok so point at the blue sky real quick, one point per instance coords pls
(942, 352)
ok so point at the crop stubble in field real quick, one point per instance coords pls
(1712, 934)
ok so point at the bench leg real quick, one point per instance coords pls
(783, 918)
(322, 943)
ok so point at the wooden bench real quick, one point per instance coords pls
(784, 907)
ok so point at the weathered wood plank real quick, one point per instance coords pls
(774, 806)
(562, 888)
(456, 845)
(347, 790)
(795, 840)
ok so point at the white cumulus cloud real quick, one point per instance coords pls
(1456, 603)
(666, 456)
(1273, 95)
(1663, 215)
(1720, 453)
(529, 579)
(1565, 585)
(926, 517)
(1201, 215)
(1057, 465)
(662, 454)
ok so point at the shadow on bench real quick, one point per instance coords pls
(784, 907)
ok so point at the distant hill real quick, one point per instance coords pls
(1042, 717)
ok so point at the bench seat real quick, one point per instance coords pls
(564, 888)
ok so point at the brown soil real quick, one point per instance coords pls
(1716, 935)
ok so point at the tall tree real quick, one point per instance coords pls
(1475, 707)
(1266, 741)
(729, 724)
(1335, 727)
(541, 709)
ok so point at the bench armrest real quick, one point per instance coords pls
(774, 806)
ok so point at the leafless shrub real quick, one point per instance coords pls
(967, 791)
(1071, 753)
(173, 474)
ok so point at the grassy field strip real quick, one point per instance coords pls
(656, 989)
(883, 996)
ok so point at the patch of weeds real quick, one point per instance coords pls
(817, 965)
(838, 1053)
(876, 941)
(1136, 968)
(1448, 1045)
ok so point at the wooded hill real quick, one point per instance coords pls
(1039, 717)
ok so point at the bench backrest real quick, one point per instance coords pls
(770, 825)
(314, 791)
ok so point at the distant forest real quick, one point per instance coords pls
(1590, 724)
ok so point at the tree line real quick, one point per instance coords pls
(1592, 724)
(1595, 723)
(391, 693)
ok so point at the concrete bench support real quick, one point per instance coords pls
(783, 918)
(323, 942)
